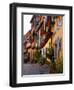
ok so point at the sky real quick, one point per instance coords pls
(27, 24)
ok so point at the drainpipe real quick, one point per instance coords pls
(39, 38)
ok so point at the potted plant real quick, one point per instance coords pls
(38, 57)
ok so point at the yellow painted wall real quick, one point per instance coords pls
(47, 44)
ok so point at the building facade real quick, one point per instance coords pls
(45, 36)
